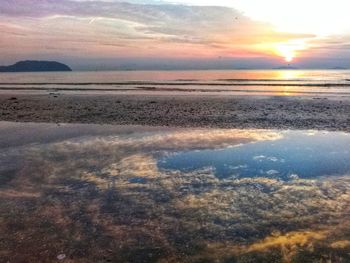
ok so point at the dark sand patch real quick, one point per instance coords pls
(181, 111)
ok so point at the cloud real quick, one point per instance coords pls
(116, 28)
(104, 30)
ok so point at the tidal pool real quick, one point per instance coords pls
(296, 154)
(89, 193)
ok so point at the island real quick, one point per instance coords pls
(338, 68)
(35, 66)
(286, 68)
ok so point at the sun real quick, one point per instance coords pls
(286, 51)
(289, 50)
(289, 56)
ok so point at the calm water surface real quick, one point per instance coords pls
(87, 193)
(265, 82)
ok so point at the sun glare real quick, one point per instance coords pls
(285, 51)
(289, 50)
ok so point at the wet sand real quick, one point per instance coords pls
(287, 112)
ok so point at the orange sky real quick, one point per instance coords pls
(279, 31)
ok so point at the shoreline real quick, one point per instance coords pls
(217, 111)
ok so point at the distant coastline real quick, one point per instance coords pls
(35, 66)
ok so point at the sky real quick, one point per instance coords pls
(177, 34)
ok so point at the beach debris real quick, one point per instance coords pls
(61, 256)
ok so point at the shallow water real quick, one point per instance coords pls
(298, 153)
(238, 82)
(139, 194)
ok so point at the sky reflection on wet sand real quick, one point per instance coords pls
(118, 194)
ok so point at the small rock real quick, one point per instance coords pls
(61, 256)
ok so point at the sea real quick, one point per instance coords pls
(235, 82)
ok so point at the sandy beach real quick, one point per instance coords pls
(287, 112)
(174, 131)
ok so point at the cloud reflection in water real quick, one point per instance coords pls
(107, 197)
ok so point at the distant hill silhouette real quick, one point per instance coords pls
(35, 66)
(339, 68)
(286, 67)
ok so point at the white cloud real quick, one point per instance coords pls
(312, 16)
